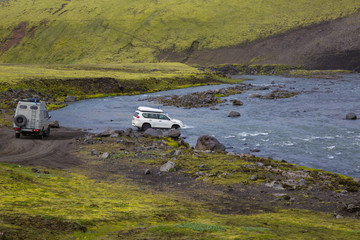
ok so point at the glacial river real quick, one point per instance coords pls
(309, 129)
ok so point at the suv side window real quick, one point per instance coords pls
(145, 115)
(163, 117)
(153, 115)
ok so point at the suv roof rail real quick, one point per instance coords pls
(30, 100)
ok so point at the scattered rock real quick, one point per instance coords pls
(275, 185)
(46, 172)
(54, 124)
(279, 93)
(129, 132)
(255, 95)
(168, 167)
(351, 208)
(231, 154)
(254, 177)
(259, 164)
(152, 132)
(147, 171)
(200, 173)
(70, 99)
(214, 108)
(114, 135)
(237, 102)
(105, 155)
(106, 133)
(254, 150)
(234, 114)
(35, 170)
(351, 116)
(207, 142)
(94, 152)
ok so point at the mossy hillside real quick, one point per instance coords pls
(112, 31)
(64, 205)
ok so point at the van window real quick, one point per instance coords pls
(23, 107)
(33, 107)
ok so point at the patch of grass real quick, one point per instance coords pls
(201, 227)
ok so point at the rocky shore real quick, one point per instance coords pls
(160, 158)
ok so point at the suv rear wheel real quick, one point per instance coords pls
(146, 126)
(175, 126)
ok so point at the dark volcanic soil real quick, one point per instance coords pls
(52, 152)
(330, 45)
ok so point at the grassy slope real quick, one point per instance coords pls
(60, 205)
(136, 31)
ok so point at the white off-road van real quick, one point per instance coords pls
(31, 118)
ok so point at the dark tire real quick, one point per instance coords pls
(175, 126)
(20, 120)
(145, 126)
(42, 134)
(17, 135)
(47, 133)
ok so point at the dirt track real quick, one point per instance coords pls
(52, 152)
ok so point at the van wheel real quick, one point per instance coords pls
(42, 135)
(47, 133)
(17, 135)
(145, 126)
(175, 126)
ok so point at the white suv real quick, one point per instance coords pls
(31, 118)
(146, 117)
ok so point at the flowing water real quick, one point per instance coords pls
(309, 129)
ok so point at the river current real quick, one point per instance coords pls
(309, 129)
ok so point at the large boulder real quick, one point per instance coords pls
(54, 124)
(351, 116)
(207, 142)
(152, 132)
(173, 133)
